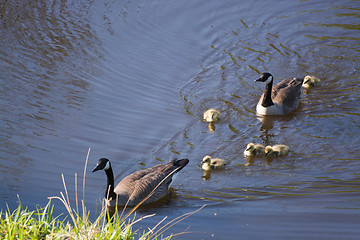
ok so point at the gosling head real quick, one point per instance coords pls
(211, 115)
(307, 79)
(268, 151)
(103, 164)
(250, 147)
(206, 159)
(265, 77)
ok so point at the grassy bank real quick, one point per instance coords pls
(22, 223)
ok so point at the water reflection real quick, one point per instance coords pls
(206, 175)
(211, 126)
(267, 125)
(251, 161)
(48, 53)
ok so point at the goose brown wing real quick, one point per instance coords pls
(139, 185)
(287, 92)
(143, 187)
(286, 85)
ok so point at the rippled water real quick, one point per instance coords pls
(130, 79)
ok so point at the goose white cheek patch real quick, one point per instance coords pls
(269, 80)
(107, 166)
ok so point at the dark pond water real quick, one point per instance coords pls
(130, 79)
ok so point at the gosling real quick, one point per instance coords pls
(310, 81)
(276, 150)
(253, 150)
(209, 163)
(211, 115)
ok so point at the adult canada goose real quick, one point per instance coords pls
(254, 150)
(137, 186)
(281, 98)
(209, 163)
(310, 81)
(211, 115)
(276, 150)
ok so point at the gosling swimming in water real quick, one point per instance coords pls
(311, 81)
(254, 150)
(209, 163)
(211, 115)
(276, 150)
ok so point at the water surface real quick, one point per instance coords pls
(130, 79)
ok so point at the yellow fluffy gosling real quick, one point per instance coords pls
(211, 115)
(254, 150)
(209, 163)
(276, 150)
(311, 81)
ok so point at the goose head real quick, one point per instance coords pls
(265, 77)
(103, 164)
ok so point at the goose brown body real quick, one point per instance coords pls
(280, 99)
(135, 187)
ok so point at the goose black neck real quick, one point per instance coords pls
(110, 184)
(267, 102)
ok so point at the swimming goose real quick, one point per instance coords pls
(138, 185)
(209, 163)
(310, 81)
(281, 98)
(211, 115)
(254, 150)
(276, 150)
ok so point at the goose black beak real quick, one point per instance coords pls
(96, 168)
(258, 80)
